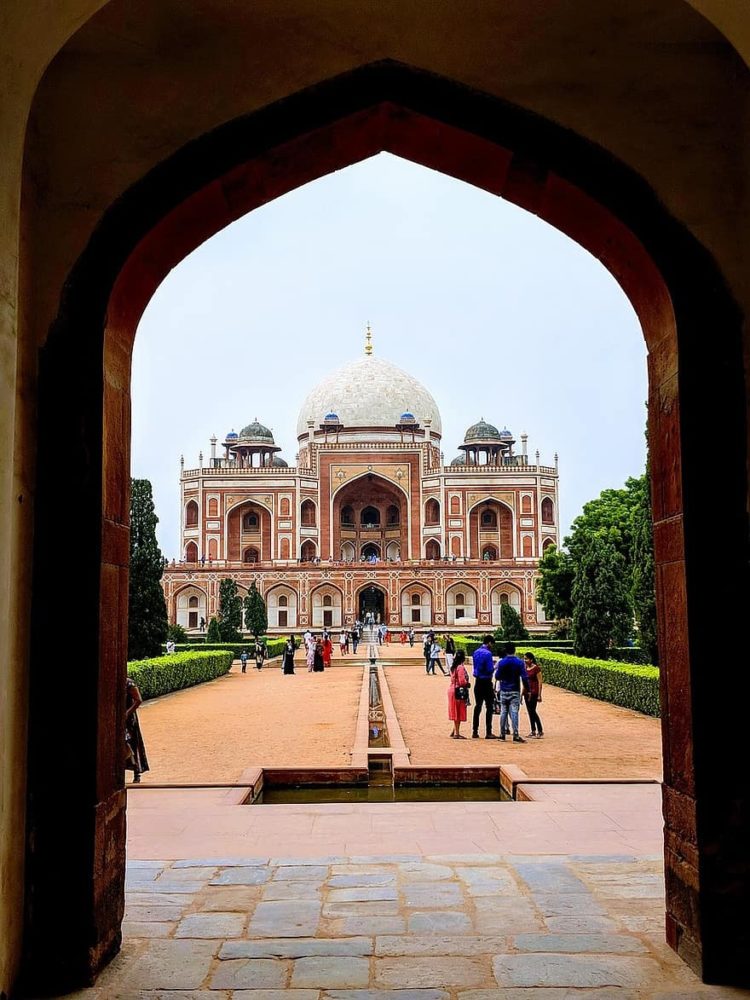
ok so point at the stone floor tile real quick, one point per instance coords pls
(187, 874)
(560, 993)
(554, 877)
(430, 972)
(133, 864)
(228, 898)
(368, 925)
(606, 944)
(221, 863)
(467, 859)
(359, 870)
(298, 947)
(158, 965)
(432, 895)
(424, 872)
(330, 973)
(182, 995)
(314, 862)
(362, 894)
(498, 915)
(211, 925)
(140, 898)
(134, 876)
(384, 859)
(251, 974)
(582, 924)
(363, 879)
(574, 903)
(147, 928)
(579, 971)
(153, 914)
(307, 873)
(440, 922)
(164, 884)
(373, 908)
(285, 918)
(391, 946)
(387, 995)
(292, 890)
(272, 995)
(242, 876)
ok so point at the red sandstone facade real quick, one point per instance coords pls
(370, 518)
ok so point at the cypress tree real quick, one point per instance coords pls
(602, 614)
(147, 610)
(644, 590)
(513, 628)
(213, 634)
(230, 611)
(256, 617)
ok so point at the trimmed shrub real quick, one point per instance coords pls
(635, 687)
(179, 670)
(631, 654)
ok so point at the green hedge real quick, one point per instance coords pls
(635, 687)
(274, 647)
(179, 670)
(631, 654)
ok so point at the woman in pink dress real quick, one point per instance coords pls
(327, 651)
(458, 695)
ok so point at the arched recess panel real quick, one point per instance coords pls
(281, 605)
(506, 593)
(327, 605)
(461, 604)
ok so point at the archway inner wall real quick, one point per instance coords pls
(120, 280)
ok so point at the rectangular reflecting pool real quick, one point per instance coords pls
(301, 794)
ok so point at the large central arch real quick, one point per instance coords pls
(84, 381)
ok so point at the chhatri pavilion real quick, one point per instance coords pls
(370, 519)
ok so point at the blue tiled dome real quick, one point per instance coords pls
(505, 433)
(232, 436)
(331, 418)
(407, 418)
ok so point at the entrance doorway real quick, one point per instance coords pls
(372, 600)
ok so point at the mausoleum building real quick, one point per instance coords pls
(370, 518)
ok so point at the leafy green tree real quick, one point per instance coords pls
(256, 616)
(177, 633)
(513, 628)
(147, 610)
(554, 587)
(214, 633)
(610, 516)
(643, 587)
(602, 614)
(230, 611)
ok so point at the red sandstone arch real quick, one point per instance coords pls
(677, 294)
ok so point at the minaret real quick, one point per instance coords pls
(213, 449)
(368, 340)
(524, 444)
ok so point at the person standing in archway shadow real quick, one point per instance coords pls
(484, 693)
(135, 750)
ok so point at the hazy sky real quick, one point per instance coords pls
(499, 315)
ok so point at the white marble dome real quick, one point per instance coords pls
(369, 392)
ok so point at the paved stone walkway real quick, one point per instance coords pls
(442, 927)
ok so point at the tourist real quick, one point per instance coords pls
(287, 657)
(318, 657)
(260, 654)
(533, 696)
(135, 751)
(458, 695)
(243, 660)
(435, 651)
(203, 620)
(426, 649)
(403, 637)
(170, 647)
(346, 640)
(310, 654)
(327, 649)
(355, 637)
(343, 641)
(450, 651)
(412, 636)
(484, 693)
(307, 636)
(509, 676)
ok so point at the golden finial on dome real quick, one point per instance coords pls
(368, 341)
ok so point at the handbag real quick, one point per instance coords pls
(461, 692)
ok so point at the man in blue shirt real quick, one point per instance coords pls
(483, 690)
(510, 675)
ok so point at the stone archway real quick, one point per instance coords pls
(677, 294)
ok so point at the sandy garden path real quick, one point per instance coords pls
(583, 738)
(214, 731)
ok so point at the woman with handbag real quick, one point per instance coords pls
(458, 695)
